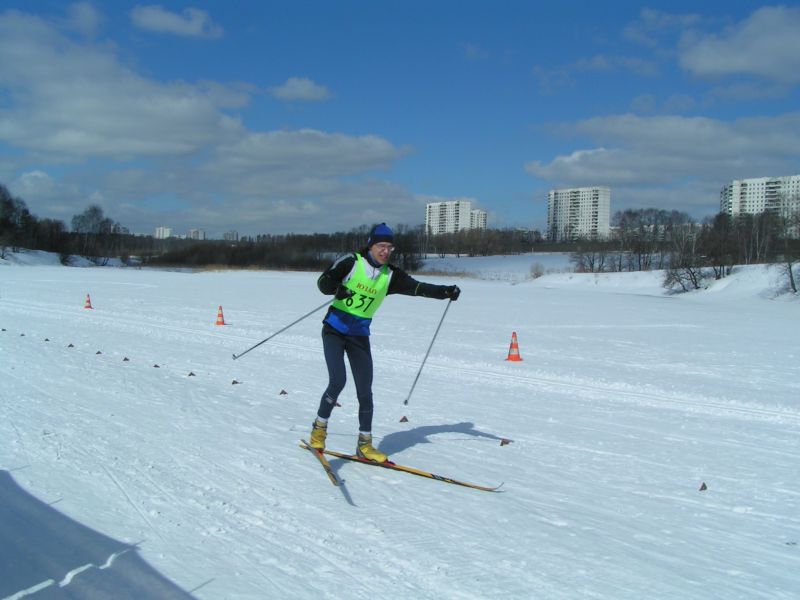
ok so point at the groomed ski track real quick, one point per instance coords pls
(612, 429)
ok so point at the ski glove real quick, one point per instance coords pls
(452, 292)
(343, 293)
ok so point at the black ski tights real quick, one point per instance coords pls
(335, 345)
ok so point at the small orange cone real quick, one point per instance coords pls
(513, 350)
(220, 318)
(88, 302)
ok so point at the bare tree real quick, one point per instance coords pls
(590, 257)
(790, 237)
(684, 269)
(17, 224)
(94, 230)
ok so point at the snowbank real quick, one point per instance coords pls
(513, 268)
(40, 258)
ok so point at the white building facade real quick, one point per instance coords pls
(575, 213)
(452, 217)
(477, 219)
(163, 233)
(780, 195)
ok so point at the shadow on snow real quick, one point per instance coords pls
(394, 443)
(44, 554)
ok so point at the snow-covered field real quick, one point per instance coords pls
(160, 476)
(514, 268)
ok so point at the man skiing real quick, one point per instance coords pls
(360, 281)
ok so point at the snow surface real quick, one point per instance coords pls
(514, 268)
(137, 479)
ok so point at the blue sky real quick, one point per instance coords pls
(276, 117)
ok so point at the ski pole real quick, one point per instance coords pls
(449, 302)
(308, 314)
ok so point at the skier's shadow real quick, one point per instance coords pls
(44, 553)
(396, 442)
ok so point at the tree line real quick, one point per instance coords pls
(691, 253)
(97, 237)
(93, 235)
(642, 239)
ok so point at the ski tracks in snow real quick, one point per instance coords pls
(68, 577)
(481, 373)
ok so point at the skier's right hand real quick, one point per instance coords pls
(343, 293)
(452, 292)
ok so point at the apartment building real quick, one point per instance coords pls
(452, 217)
(574, 213)
(761, 194)
(477, 219)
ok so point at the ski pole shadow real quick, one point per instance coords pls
(336, 465)
(396, 442)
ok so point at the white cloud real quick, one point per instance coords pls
(601, 62)
(674, 103)
(41, 191)
(638, 153)
(679, 103)
(166, 152)
(300, 88)
(192, 22)
(221, 95)
(563, 76)
(644, 103)
(766, 45)
(76, 101)
(552, 79)
(84, 18)
(747, 91)
(654, 24)
(263, 204)
(315, 152)
(37, 182)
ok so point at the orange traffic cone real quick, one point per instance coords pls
(88, 302)
(220, 318)
(513, 350)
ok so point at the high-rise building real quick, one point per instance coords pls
(163, 233)
(574, 213)
(196, 234)
(453, 216)
(231, 236)
(761, 194)
(477, 219)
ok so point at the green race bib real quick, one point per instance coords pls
(368, 293)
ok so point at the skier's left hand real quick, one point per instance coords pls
(343, 293)
(452, 292)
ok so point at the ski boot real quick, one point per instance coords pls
(319, 431)
(367, 451)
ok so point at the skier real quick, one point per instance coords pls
(360, 281)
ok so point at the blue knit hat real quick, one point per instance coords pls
(380, 233)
